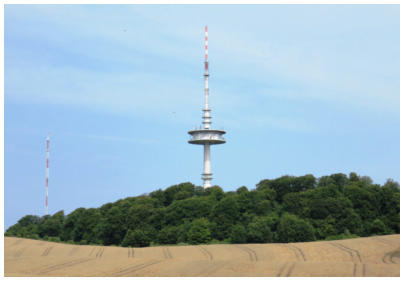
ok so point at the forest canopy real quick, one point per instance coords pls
(285, 209)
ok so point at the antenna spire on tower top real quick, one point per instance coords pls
(206, 49)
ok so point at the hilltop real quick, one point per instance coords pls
(285, 209)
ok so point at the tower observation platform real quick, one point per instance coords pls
(206, 136)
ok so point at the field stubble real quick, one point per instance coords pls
(361, 257)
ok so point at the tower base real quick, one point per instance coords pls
(206, 180)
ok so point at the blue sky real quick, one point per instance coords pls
(299, 88)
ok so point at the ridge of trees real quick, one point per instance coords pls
(285, 209)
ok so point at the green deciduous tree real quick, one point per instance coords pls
(70, 223)
(111, 227)
(159, 196)
(363, 200)
(215, 192)
(136, 238)
(199, 231)
(224, 214)
(287, 184)
(84, 226)
(51, 225)
(378, 227)
(168, 235)
(259, 230)
(191, 208)
(293, 229)
(238, 234)
(184, 188)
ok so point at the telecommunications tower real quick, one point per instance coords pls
(206, 136)
(47, 173)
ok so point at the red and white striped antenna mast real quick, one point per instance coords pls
(47, 172)
(206, 50)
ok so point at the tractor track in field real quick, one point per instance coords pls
(355, 254)
(131, 252)
(167, 253)
(133, 268)
(286, 269)
(19, 252)
(357, 271)
(100, 252)
(298, 252)
(290, 269)
(63, 265)
(389, 255)
(282, 269)
(251, 253)
(91, 252)
(47, 251)
(206, 253)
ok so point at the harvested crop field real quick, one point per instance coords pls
(371, 256)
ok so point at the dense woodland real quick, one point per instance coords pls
(286, 209)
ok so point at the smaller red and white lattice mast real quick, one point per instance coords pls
(47, 172)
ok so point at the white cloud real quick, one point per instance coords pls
(322, 67)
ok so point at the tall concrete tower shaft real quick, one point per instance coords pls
(206, 136)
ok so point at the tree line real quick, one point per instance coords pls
(285, 209)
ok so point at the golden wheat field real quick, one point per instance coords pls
(372, 256)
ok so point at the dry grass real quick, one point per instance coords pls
(373, 256)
